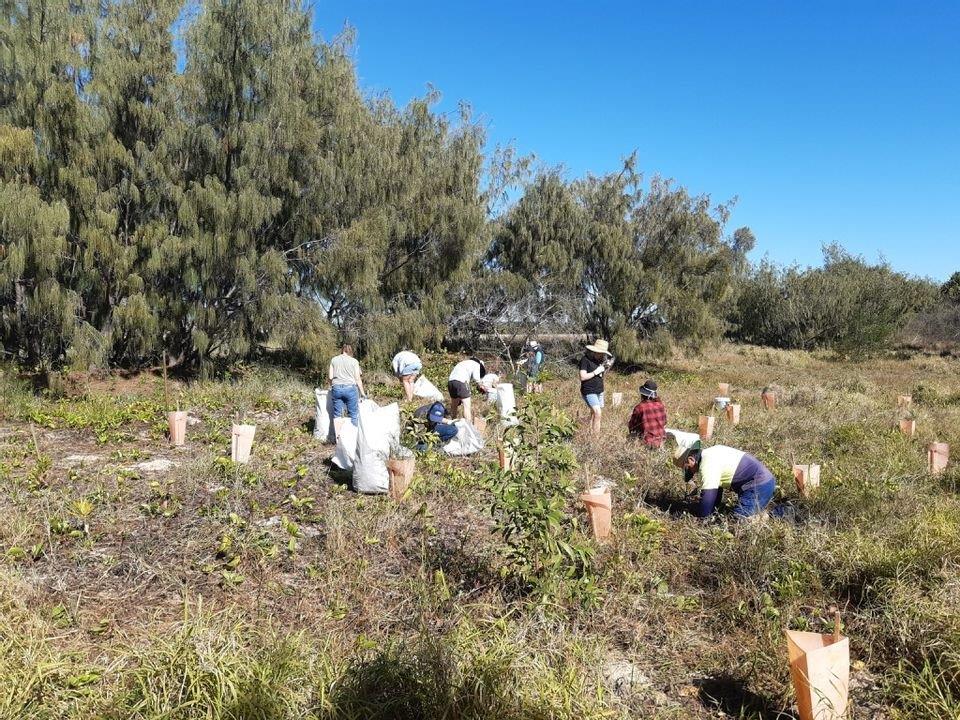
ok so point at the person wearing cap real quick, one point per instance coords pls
(594, 363)
(533, 364)
(649, 418)
(722, 468)
(438, 421)
(458, 385)
(406, 366)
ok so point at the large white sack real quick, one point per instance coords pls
(379, 431)
(346, 452)
(323, 424)
(467, 441)
(507, 403)
(345, 455)
(425, 389)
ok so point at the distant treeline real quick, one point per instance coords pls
(214, 184)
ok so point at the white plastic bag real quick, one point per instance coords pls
(507, 403)
(425, 389)
(379, 430)
(346, 452)
(323, 424)
(467, 441)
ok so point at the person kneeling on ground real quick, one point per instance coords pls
(458, 385)
(721, 467)
(406, 366)
(594, 363)
(438, 421)
(649, 417)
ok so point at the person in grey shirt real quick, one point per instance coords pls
(346, 385)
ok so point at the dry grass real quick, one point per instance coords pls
(210, 590)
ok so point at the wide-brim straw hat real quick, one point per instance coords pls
(600, 346)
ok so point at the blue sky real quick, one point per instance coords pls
(830, 121)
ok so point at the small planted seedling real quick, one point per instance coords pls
(807, 478)
(598, 503)
(733, 413)
(241, 442)
(400, 466)
(820, 670)
(705, 426)
(908, 427)
(769, 398)
(938, 457)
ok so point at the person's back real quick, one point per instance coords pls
(344, 370)
(649, 421)
(649, 418)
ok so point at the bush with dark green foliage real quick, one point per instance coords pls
(847, 305)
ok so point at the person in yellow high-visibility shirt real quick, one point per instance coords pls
(720, 468)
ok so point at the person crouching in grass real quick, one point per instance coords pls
(720, 468)
(648, 421)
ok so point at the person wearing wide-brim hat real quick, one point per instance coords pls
(720, 468)
(594, 363)
(648, 421)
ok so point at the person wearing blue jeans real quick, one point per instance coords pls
(346, 385)
(721, 467)
(438, 421)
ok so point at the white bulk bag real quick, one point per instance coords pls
(507, 403)
(467, 441)
(323, 424)
(345, 455)
(425, 389)
(346, 452)
(379, 431)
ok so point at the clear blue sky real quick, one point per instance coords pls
(830, 121)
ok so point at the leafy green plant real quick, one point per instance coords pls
(544, 552)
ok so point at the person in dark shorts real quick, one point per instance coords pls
(465, 372)
(594, 363)
(720, 468)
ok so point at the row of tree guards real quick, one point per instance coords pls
(819, 663)
(241, 435)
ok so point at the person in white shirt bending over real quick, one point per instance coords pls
(406, 366)
(458, 385)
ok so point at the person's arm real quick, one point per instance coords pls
(584, 375)
(330, 374)
(636, 421)
(363, 393)
(708, 502)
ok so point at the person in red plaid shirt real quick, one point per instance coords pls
(649, 417)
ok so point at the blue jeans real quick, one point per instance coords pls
(751, 501)
(346, 397)
(754, 501)
(445, 432)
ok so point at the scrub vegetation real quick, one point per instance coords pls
(208, 180)
(197, 588)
